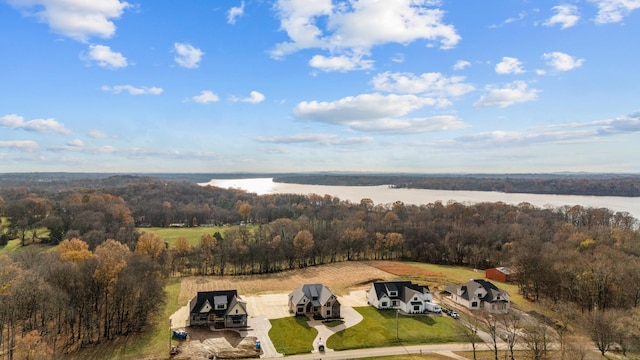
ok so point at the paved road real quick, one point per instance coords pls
(444, 349)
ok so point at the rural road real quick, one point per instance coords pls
(444, 349)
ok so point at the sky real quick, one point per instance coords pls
(420, 86)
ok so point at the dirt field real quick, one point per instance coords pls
(203, 343)
(341, 278)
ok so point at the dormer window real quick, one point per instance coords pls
(393, 293)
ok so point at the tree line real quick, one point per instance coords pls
(583, 256)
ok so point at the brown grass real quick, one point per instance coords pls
(405, 270)
(339, 277)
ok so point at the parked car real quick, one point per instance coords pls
(454, 314)
(180, 334)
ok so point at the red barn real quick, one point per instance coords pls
(499, 274)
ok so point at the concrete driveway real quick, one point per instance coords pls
(259, 327)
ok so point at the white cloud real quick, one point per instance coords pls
(187, 56)
(340, 63)
(254, 98)
(562, 62)
(13, 121)
(461, 64)
(566, 16)
(77, 19)
(76, 143)
(509, 65)
(323, 139)
(205, 97)
(377, 113)
(97, 134)
(354, 27)
(132, 90)
(398, 58)
(24, 145)
(516, 92)
(432, 84)
(105, 57)
(612, 11)
(234, 13)
(574, 132)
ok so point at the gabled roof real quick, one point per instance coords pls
(470, 287)
(229, 297)
(320, 292)
(405, 289)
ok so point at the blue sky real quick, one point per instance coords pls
(427, 86)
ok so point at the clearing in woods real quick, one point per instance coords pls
(341, 278)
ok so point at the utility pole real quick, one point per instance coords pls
(397, 312)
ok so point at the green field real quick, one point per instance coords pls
(378, 329)
(283, 338)
(193, 234)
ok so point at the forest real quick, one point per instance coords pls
(559, 184)
(83, 251)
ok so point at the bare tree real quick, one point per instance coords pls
(469, 330)
(511, 323)
(491, 322)
(535, 336)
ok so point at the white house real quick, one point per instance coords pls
(479, 294)
(403, 295)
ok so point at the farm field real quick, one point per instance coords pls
(193, 234)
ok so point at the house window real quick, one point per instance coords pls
(328, 312)
(474, 304)
(416, 307)
(384, 304)
(393, 293)
(220, 306)
(236, 311)
(300, 309)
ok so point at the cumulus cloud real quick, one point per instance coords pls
(340, 63)
(254, 98)
(132, 90)
(613, 11)
(78, 20)
(187, 55)
(323, 139)
(23, 145)
(513, 93)
(13, 121)
(234, 13)
(562, 62)
(509, 65)
(354, 27)
(431, 84)
(566, 16)
(205, 97)
(105, 57)
(376, 113)
(461, 64)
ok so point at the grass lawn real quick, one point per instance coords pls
(378, 329)
(193, 234)
(154, 343)
(292, 335)
(460, 275)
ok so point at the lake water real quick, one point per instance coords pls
(383, 194)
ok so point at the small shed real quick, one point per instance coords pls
(502, 274)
